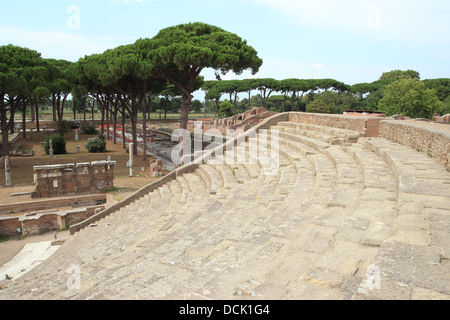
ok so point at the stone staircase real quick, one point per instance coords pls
(342, 217)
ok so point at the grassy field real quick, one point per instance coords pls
(22, 167)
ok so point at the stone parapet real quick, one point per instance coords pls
(35, 224)
(369, 126)
(428, 137)
(53, 204)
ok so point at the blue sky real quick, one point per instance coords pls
(347, 40)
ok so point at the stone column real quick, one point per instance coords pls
(130, 148)
(7, 171)
(50, 149)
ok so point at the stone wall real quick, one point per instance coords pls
(53, 204)
(428, 137)
(40, 223)
(369, 126)
(71, 179)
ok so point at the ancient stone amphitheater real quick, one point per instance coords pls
(354, 210)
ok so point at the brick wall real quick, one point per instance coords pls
(428, 137)
(52, 204)
(71, 179)
(40, 223)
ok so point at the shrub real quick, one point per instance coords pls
(88, 128)
(74, 124)
(319, 106)
(96, 145)
(226, 109)
(59, 144)
(411, 98)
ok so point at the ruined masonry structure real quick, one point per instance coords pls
(358, 208)
(71, 179)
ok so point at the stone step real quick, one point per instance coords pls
(423, 189)
(348, 176)
(217, 182)
(267, 155)
(316, 144)
(330, 139)
(375, 170)
(226, 173)
(348, 135)
(197, 187)
(177, 193)
(205, 177)
(313, 229)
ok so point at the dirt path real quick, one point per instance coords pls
(10, 248)
(22, 169)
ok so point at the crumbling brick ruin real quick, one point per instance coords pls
(73, 179)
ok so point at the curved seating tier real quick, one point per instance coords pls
(341, 217)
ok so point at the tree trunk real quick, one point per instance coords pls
(103, 121)
(124, 145)
(62, 107)
(58, 109)
(11, 122)
(107, 120)
(185, 111)
(134, 117)
(37, 117)
(4, 126)
(114, 114)
(300, 102)
(74, 109)
(144, 130)
(293, 101)
(24, 121)
(54, 107)
(217, 108)
(32, 116)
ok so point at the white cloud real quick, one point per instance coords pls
(318, 66)
(415, 21)
(59, 45)
(132, 1)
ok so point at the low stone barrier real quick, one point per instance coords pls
(428, 137)
(49, 204)
(42, 222)
(369, 126)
